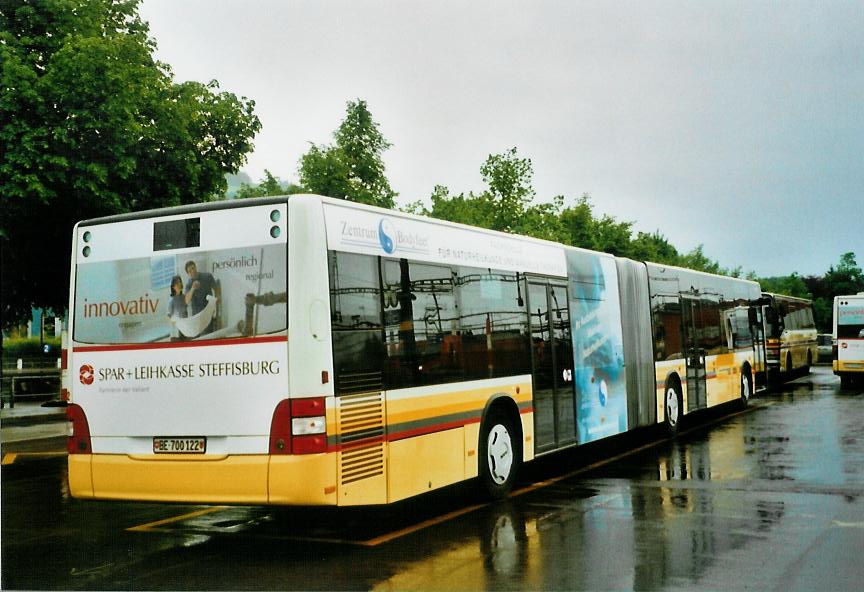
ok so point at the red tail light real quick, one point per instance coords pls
(78, 441)
(64, 359)
(280, 429)
(299, 426)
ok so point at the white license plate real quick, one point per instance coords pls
(180, 445)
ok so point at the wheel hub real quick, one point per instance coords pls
(672, 407)
(499, 453)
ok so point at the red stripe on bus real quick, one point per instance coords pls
(176, 344)
(393, 437)
(431, 429)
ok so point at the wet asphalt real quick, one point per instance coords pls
(767, 498)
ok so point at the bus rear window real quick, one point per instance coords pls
(219, 294)
(177, 234)
(850, 322)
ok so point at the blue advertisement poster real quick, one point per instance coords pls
(598, 346)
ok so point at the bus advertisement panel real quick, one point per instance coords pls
(598, 346)
(205, 295)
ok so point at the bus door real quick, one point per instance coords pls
(693, 329)
(552, 365)
(757, 330)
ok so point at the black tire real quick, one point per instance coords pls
(790, 372)
(809, 362)
(673, 405)
(845, 380)
(500, 454)
(746, 387)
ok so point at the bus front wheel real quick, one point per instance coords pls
(500, 454)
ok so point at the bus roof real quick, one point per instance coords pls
(258, 201)
(186, 209)
(787, 298)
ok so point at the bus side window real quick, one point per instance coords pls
(355, 305)
(493, 323)
(421, 324)
(666, 310)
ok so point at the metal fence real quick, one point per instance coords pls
(29, 377)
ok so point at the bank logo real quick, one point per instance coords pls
(386, 234)
(86, 374)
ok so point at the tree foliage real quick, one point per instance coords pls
(507, 205)
(790, 285)
(269, 185)
(352, 168)
(504, 205)
(846, 278)
(92, 125)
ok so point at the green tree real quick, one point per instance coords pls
(583, 229)
(475, 210)
(352, 168)
(654, 247)
(92, 125)
(269, 185)
(578, 223)
(510, 190)
(846, 278)
(611, 236)
(790, 285)
(504, 205)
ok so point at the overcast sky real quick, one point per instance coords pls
(738, 125)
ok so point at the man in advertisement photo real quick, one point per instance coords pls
(199, 286)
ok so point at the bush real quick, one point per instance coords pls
(31, 348)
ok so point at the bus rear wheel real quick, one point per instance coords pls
(500, 454)
(672, 404)
(746, 388)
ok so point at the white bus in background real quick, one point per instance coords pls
(314, 351)
(848, 336)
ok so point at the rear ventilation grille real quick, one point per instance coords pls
(362, 463)
(361, 436)
(359, 382)
(361, 417)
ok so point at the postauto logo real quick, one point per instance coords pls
(86, 374)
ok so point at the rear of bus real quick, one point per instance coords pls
(178, 357)
(849, 333)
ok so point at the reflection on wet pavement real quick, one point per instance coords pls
(767, 500)
(772, 498)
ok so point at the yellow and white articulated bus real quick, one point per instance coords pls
(313, 351)
(790, 329)
(848, 337)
